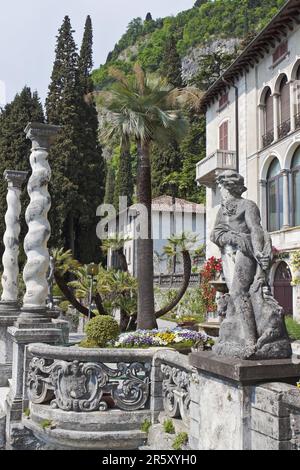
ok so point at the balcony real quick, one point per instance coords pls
(284, 129)
(208, 168)
(268, 138)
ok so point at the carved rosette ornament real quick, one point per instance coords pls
(82, 387)
(35, 245)
(176, 392)
(9, 298)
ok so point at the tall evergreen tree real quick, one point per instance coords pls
(171, 64)
(110, 184)
(93, 184)
(15, 148)
(149, 17)
(76, 155)
(124, 181)
(63, 105)
(164, 162)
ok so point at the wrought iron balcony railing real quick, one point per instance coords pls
(284, 129)
(268, 138)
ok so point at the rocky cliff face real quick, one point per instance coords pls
(190, 63)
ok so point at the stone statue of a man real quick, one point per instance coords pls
(254, 326)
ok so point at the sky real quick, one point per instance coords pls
(28, 32)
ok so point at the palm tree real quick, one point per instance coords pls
(143, 109)
(180, 244)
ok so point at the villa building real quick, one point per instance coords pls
(253, 126)
(169, 217)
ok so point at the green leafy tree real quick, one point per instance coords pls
(141, 109)
(211, 66)
(179, 244)
(192, 150)
(15, 148)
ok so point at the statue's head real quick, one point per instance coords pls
(233, 182)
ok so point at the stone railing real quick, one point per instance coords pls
(176, 376)
(94, 381)
(220, 160)
(175, 280)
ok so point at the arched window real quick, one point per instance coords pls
(275, 196)
(268, 136)
(296, 187)
(285, 112)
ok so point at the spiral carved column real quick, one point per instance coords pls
(9, 298)
(35, 244)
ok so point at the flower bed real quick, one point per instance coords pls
(177, 338)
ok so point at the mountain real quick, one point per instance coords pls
(208, 22)
(191, 48)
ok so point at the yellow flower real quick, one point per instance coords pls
(167, 337)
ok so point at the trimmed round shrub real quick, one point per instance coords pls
(102, 329)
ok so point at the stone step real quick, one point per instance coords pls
(90, 421)
(62, 439)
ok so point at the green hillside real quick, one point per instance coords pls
(145, 41)
(186, 50)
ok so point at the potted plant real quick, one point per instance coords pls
(188, 322)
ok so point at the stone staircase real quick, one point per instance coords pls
(158, 439)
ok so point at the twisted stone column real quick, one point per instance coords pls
(9, 298)
(9, 308)
(35, 244)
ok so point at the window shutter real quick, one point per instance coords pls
(224, 136)
(285, 101)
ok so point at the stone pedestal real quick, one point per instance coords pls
(222, 398)
(46, 333)
(7, 319)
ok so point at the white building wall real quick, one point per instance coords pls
(253, 160)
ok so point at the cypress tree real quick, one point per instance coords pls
(76, 158)
(93, 183)
(165, 161)
(110, 184)
(124, 182)
(15, 148)
(66, 159)
(171, 63)
(149, 17)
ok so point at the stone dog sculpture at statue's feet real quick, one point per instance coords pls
(254, 326)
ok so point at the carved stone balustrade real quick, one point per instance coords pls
(177, 376)
(93, 381)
